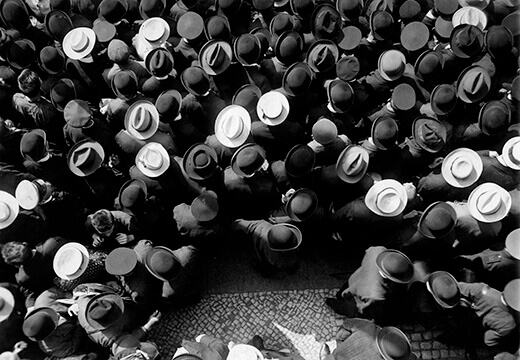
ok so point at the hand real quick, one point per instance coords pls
(19, 346)
(123, 238)
(410, 190)
(154, 318)
(426, 109)
(97, 240)
(287, 196)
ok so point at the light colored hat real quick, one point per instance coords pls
(85, 157)
(30, 194)
(155, 30)
(244, 352)
(352, 164)
(142, 120)
(391, 65)
(152, 160)
(6, 303)
(71, 261)
(232, 126)
(470, 15)
(489, 203)
(511, 153)
(79, 42)
(511, 294)
(462, 167)
(513, 244)
(9, 209)
(386, 198)
(272, 108)
(215, 56)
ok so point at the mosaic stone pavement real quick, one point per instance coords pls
(297, 320)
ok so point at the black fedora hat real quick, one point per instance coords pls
(340, 95)
(302, 205)
(229, 8)
(168, 104)
(429, 133)
(58, 24)
(124, 84)
(200, 162)
(326, 22)
(443, 99)
(322, 55)
(381, 25)
(52, 60)
(247, 96)
(349, 10)
(104, 310)
(247, 49)
(467, 41)
(281, 23)
(248, 160)
(151, 8)
(289, 47)
(264, 36)
(205, 206)
(384, 132)
(299, 161)
(195, 80)
(428, 66)
(217, 28)
(302, 8)
(499, 41)
(438, 220)
(473, 84)
(159, 62)
(297, 79)
(112, 11)
(62, 91)
(347, 68)
(40, 323)
(262, 5)
(14, 14)
(21, 54)
(133, 194)
(494, 118)
(446, 7)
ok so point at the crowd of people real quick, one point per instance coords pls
(136, 137)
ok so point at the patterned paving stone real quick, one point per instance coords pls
(297, 320)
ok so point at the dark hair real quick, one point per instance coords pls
(15, 252)
(29, 82)
(102, 220)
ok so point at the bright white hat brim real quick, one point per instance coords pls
(246, 129)
(84, 264)
(67, 49)
(13, 206)
(377, 188)
(499, 214)
(476, 161)
(140, 163)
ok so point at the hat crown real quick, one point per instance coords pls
(216, 56)
(461, 167)
(101, 309)
(70, 261)
(153, 30)
(489, 202)
(388, 200)
(79, 41)
(132, 195)
(324, 131)
(445, 288)
(233, 126)
(439, 220)
(273, 108)
(165, 264)
(160, 63)
(392, 63)
(125, 83)
(39, 326)
(5, 211)
(84, 157)
(281, 238)
(353, 163)
(302, 204)
(142, 120)
(201, 159)
(249, 160)
(2, 303)
(153, 159)
(395, 347)
(168, 105)
(429, 134)
(445, 97)
(33, 145)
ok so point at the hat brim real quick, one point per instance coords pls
(384, 332)
(290, 211)
(246, 121)
(236, 168)
(226, 63)
(87, 143)
(67, 43)
(427, 232)
(501, 213)
(166, 33)
(476, 161)
(16, 63)
(352, 179)
(137, 182)
(84, 264)
(148, 133)
(379, 264)
(49, 311)
(371, 197)
(262, 104)
(152, 173)
(187, 161)
(505, 153)
(8, 307)
(429, 286)
(148, 259)
(423, 120)
(114, 298)
(14, 208)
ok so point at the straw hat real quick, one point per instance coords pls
(79, 42)
(85, 157)
(40, 323)
(244, 352)
(155, 30)
(386, 198)
(444, 289)
(393, 344)
(152, 160)
(104, 310)
(9, 209)
(513, 244)
(6, 303)
(489, 203)
(352, 164)
(215, 56)
(273, 108)
(142, 120)
(395, 265)
(30, 194)
(232, 126)
(71, 261)
(462, 167)
(511, 153)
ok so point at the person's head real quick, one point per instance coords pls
(103, 222)
(16, 253)
(29, 83)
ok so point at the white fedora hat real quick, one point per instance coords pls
(489, 203)
(152, 159)
(71, 261)
(6, 303)
(142, 120)
(155, 30)
(30, 194)
(79, 42)
(9, 209)
(461, 168)
(471, 16)
(272, 108)
(352, 164)
(386, 198)
(232, 126)
(511, 153)
(513, 244)
(244, 352)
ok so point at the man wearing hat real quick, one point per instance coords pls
(159, 62)
(12, 313)
(118, 53)
(376, 289)
(327, 143)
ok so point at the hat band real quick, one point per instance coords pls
(5, 211)
(489, 203)
(514, 154)
(387, 201)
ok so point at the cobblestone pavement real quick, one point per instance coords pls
(297, 320)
